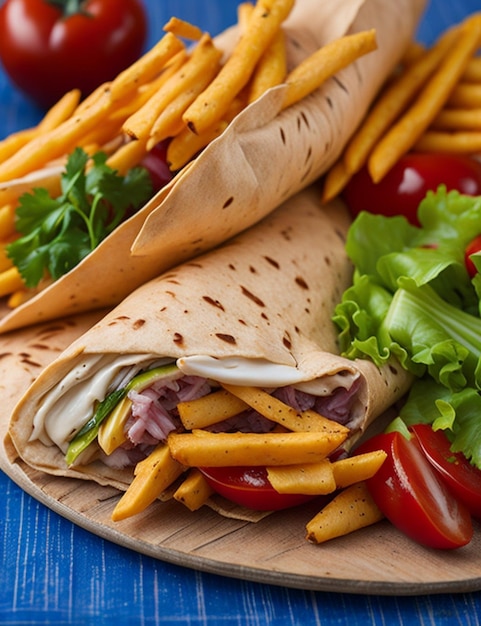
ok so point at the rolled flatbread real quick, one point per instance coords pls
(256, 311)
(264, 157)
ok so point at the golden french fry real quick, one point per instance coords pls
(414, 51)
(60, 111)
(169, 121)
(244, 12)
(55, 143)
(457, 119)
(212, 104)
(10, 281)
(201, 67)
(111, 433)
(7, 221)
(450, 142)
(355, 469)
(152, 476)
(335, 181)
(128, 155)
(311, 479)
(19, 297)
(392, 102)
(146, 68)
(183, 29)
(465, 95)
(210, 409)
(202, 448)
(194, 491)
(283, 414)
(405, 133)
(5, 262)
(271, 69)
(352, 509)
(11, 144)
(325, 62)
(472, 74)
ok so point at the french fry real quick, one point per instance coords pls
(202, 448)
(404, 134)
(450, 142)
(335, 181)
(60, 111)
(210, 409)
(414, 51)
(194, 491)
(357, 468)
(283, 414)
(271, 69)
(212, 104)
(457, 119)
(200, 68)
(128, 155)
(325, 62)
(7, 221)
(146, 68)
(152, 476)
(472, 73)
(19, 297)
(55, 143)
(465, 95)
(184, 30)
(392, 102)
(10, 281)
(312, 479)
(350, 510)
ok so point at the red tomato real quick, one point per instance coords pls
(47, 52)
(411, 495)
(406, 184)
(250, 487)
(460, 476)
(471, 248)
(155, 162)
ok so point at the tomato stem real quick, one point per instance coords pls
(70, 7)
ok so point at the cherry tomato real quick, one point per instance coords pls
(155, 162)
(49, 47)
(473, 247)
(460, 476)
(409, 492)
(405, 185)
(250, 487)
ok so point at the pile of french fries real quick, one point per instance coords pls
(186, 94)
(432, 104)
(295, 453)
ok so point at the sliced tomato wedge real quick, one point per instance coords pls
(411, 495)
(459, 475)
(250, 487)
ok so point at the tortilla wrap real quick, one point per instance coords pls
(263, 158)
(256, 311)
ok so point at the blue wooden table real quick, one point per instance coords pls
(53, 572)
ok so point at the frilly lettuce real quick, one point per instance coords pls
(412, 297)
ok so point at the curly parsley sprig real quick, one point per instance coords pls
(57, 233)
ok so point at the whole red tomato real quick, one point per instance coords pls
(405, 185)
(49, 47)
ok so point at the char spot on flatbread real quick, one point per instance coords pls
(286, 234)
(232, 267)
(5, 355)
(138, 324)
(40, 346)
(286, 340)
(340, 84)
(252, 269)
(393, 370)
(228, 202)
(216, 303)
(178, 339)
(272, 262)
(301, 282)
(283, 135)
(330, 103)
(227, 338)
(252, 296)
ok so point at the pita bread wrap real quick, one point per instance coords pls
(263, 158)
(256, 311)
